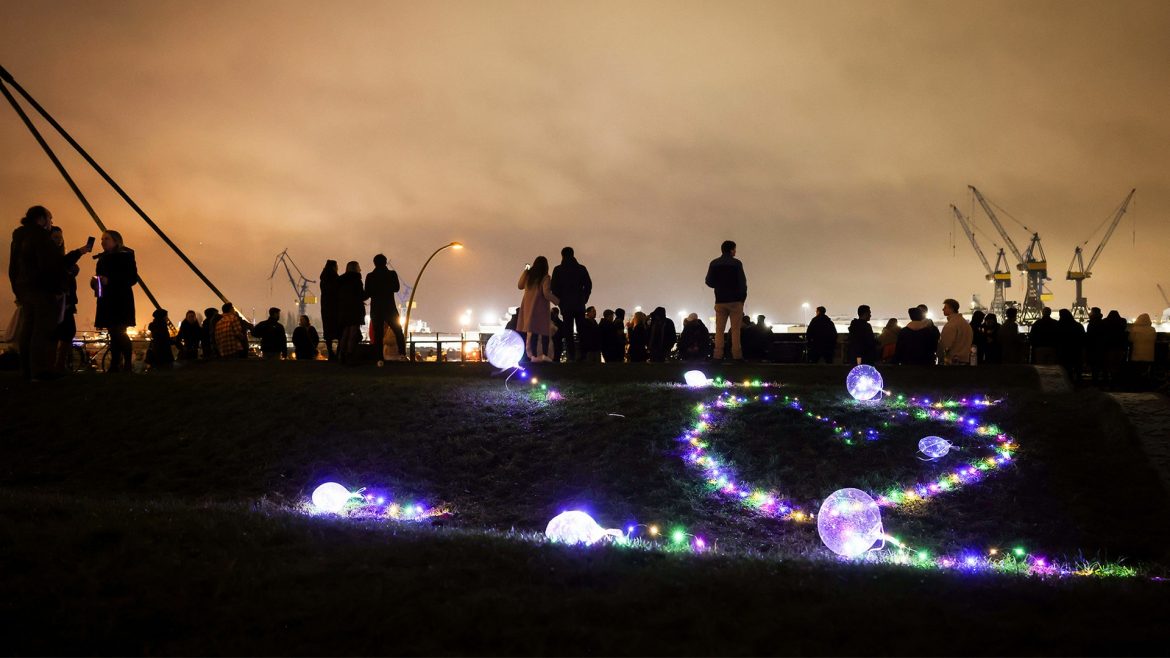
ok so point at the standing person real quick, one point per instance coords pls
(1043, 338)
(572, 286)
(992, 349)
(821, 337)
(917, 341)
(1116, 345)
(1142, 338)
(1095, 339)
(330, 315)
(726, 276)
(976, 322)
(207, 333)
(159, 353)
(863, 345)
(305, 340)
(535, 312)
(695, 342)
(117, 274)
(381, 285)
(639, 338)
(662, 335)
(954, 343)
(1010, 346)
(67, 324)
(37, 269)
(613, 337)
(1070, 344)
(189, 337)
(351, 312)
(590, 337)
(230, 340)
(273, 339)
(888, 340)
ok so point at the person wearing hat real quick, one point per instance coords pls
(160, 354)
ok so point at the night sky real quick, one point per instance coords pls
(827, 138)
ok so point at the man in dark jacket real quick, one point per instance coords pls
(917, 341)
(38, 281)
(612, 332)
(305, 340)
(273, 339)
(381, 284)
(590, 337)
(725, 274)
(863, 345)
(662, 335)
(1043, 338)
(572, 286)
(821, 337)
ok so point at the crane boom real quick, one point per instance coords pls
(971, 236)
(998, 227)
(1109, 233)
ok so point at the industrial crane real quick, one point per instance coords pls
(300, 282)
(1080, 272)
(1033, 263)
(1165, 311)
(1001, 276)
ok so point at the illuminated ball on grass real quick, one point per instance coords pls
(577, 528)
(864, 383)
(934, 447)
(849, 522)
(505, 349)
(695, 378)
(331, 497)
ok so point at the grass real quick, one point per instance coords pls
(157, 514)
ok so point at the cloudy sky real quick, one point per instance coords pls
(827, 138)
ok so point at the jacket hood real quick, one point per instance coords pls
(1143, 320)
(917, 325)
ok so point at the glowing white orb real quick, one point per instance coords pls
(849, 522)
(577, 528)
(864, 382)
(695, 378)
(505, 349)
(934, 446)
(331, 497)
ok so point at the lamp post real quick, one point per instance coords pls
(414, 290)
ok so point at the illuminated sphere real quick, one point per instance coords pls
(576, 528)
(695, 378)
(864, 383)
(849, 522)
(331, 497)
(505, 349)
(934, 446)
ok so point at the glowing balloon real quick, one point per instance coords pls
(934, 446)
(331, 497)
(577, 528)
(864, 382)
(849, 522)
(505, 349)
(695, 378)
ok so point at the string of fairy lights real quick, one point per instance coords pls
(987, 449)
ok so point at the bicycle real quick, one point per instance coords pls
(90, 354)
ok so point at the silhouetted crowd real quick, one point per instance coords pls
(553, 315)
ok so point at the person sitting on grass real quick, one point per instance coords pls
(273, 339)
(159, 353)
(305, 340)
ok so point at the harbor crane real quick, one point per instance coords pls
(300, 282)
(1078, 271)
(1033, 263)
(1000, 276)
(1165, 311)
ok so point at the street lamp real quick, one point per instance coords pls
(414, 290)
